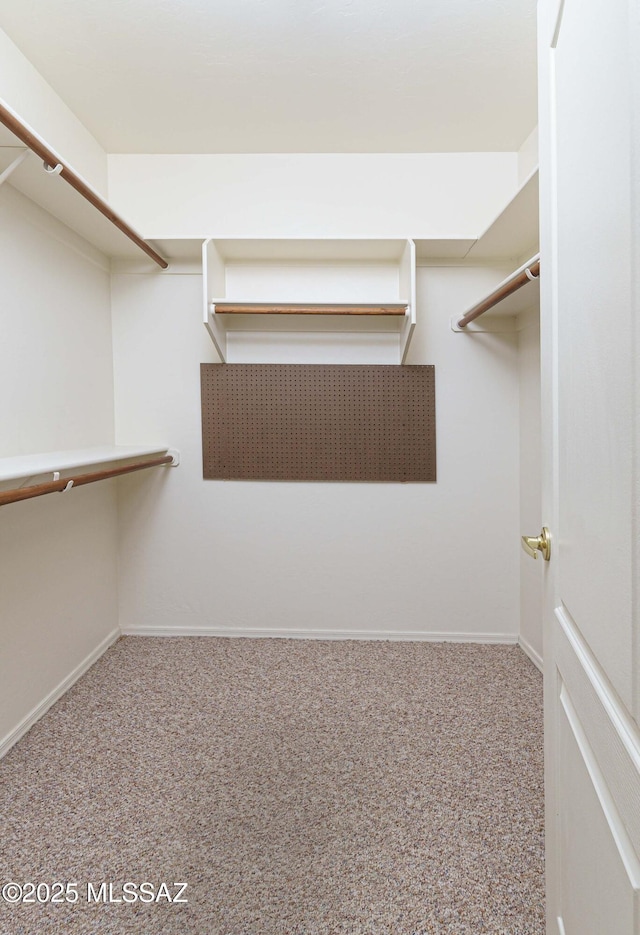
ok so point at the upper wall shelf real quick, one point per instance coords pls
(516, 230)
(301, 285)
(48, 180)
(37, 465)
(513, 234)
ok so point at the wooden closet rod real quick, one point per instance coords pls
(59, 486)
(264, 308)
(515, 282)
(37, 146)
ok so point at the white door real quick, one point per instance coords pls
(589, 67)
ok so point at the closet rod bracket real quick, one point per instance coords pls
(52, 170)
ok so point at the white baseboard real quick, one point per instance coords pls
(258, 632)
(528, 649)
(27, 722)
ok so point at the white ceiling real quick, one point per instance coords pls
(175, 76)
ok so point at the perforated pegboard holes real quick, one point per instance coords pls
(321, 422)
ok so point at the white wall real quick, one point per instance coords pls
(531, 572)
(319, 559)
(56, 370)
(421, 195)
(24, 89)
(58, 563)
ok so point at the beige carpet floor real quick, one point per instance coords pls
(297, 787)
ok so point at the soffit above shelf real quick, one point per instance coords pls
(273, 249)
(514, 233)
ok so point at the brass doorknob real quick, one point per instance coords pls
(534, 544)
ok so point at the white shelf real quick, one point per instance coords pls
(516, 230)
(58, 198)
(47, 462)
(513, 234)
(332, 272)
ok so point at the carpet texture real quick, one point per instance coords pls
(297, 787)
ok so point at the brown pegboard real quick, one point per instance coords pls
(319, 422)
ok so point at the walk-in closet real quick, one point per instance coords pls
(308, 393)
